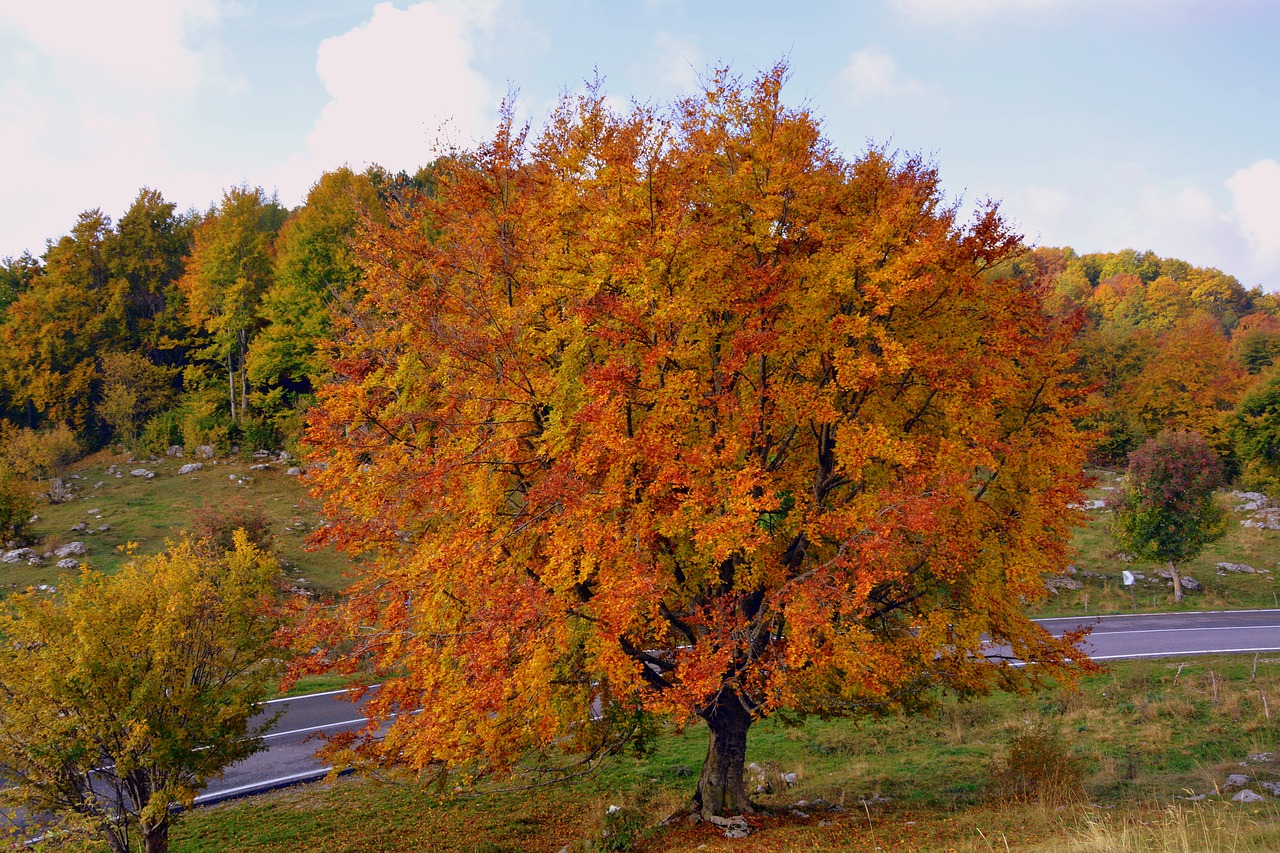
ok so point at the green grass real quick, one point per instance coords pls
(150, 512)
(1145, 733)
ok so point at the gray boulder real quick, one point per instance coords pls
(734, 827)
(1236, 780)
(1242, 568)
(204, 451)
(1053, 584)
(142, 472)
(191, 468)
(69, 563)
(17, 555)
(71, 549)
(1247, 796)
(294, 472)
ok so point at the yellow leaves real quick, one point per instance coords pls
(862, 443)
(638, 422)
(855, 370)
(150, 675)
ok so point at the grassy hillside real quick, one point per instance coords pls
(1099, 568)
(150, 511)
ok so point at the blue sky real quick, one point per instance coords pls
(1100, 124)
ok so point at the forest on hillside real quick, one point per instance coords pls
(164, 328)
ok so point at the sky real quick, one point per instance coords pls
(1098, 124)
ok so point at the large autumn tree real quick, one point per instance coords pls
(688, 416)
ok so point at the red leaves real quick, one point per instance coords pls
(685, 406)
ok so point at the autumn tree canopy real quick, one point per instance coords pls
(123, 695)
(688, 415)
(1165, 512)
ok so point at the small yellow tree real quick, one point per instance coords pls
(43, 455)
(121, 697)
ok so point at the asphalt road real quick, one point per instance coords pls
(1174, 634)
(290, 757)
(291, 745)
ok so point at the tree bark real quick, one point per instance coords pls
(155, 839)
(1177, 583)
(231, 382)
(721, 789)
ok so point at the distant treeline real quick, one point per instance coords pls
(166, 328)
(1166, 345)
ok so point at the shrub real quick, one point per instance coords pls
(16, 508)
(1039, 768)
(206, 420)
(215, 526)
(43, 455)
(160, 433)
(258, 434)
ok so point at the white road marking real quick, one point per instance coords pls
(266, 783)
(1184, 630)
(314, 728)
(1146, 615)
(309, 696)
(1188, 652)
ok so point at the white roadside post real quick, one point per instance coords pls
(1127, 577)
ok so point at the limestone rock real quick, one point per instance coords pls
(191, 468)
(1236, 780)
(734, 827)
(71, 549)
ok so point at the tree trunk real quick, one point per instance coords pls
(244, 374)
(1177, 583)
(155, 839)
(721, 789)
(231, 382)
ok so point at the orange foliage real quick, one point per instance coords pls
(1193, 382)
(658, 414)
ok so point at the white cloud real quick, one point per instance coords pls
(89, 107)
(1183, 220)
(1256, 191)
(951, 12)
(144, 45)
(871, 74)
(676, 62)
(959, 10)
(401, 88)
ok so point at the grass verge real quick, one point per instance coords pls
(1146, 736)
